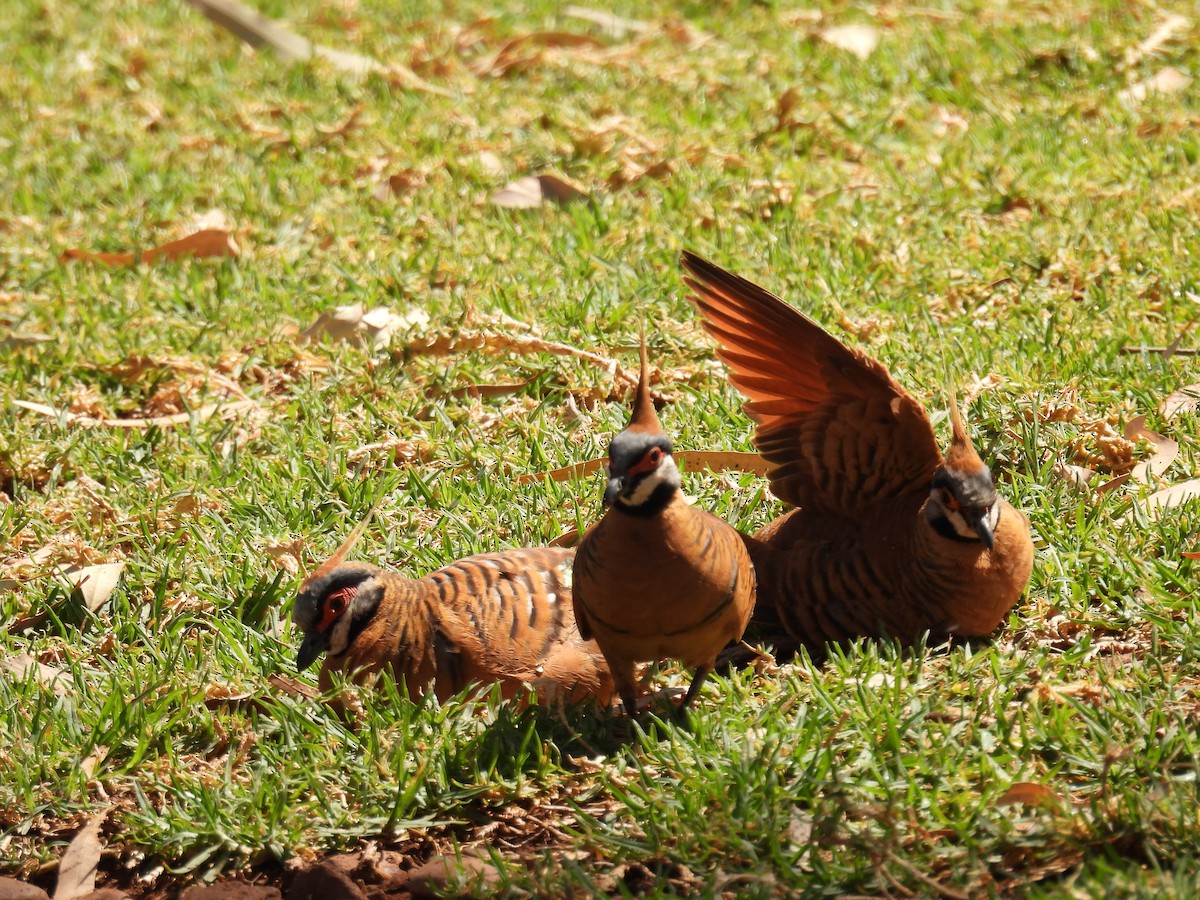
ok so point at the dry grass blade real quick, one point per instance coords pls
(77, 868)
(207, 243)
(257, 30)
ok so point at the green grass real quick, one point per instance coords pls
(1028, 247)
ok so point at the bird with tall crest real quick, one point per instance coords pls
(656, 577)
(889, 536)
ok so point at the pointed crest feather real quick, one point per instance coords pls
(339, 555)
(962, 454)
(644, 417)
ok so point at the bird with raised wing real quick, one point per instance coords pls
(655, 577)
(889, 537)
(493, 618)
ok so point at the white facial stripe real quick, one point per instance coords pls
(666, 473)
(339, 635)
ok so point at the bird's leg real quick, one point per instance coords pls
(625, 681)
(694, 689)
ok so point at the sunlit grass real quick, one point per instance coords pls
(972, 202)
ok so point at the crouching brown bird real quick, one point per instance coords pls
(493, 618)
(890, 538)
(657, 577)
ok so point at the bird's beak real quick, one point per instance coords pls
(613, 489)
(983, 528)
(314, 645)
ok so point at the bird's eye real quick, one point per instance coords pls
(949, 499)
(337, 604)
(654, 457)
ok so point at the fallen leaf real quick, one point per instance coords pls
(533, 190)
(201, 414)
(403, 452)
(89, 763)
(1165, 450)
(1166, 81)
(615, 25)
(1030, 793)
(687, 460)
(1167, 498)
(210, 242)
(566, 473)
(861, 40)
(94, 584)
(355, 324)
(20, 666)
(488, 163)
(526, 50)
(1183, 400)
(1190, 554)
(504, 334)
(77, 868)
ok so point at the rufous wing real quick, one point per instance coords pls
(841, 432)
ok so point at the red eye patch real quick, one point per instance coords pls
(335, 606)
(647, 463)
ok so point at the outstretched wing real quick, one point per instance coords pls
(840, 431)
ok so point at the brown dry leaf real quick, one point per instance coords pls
(1183, 400)
(566, 473)
(94, 584)
(505, 334)
(355, 324)
(1167, 30)
(202, 414)
(403, 452)
(19, 667)
(208, 243)
(287, 554)
(528, 49)
(77, 868)
(1030, 793)
(1165, 450)
(861, 40)
(1190, 554)
(615, 25)
(1166, 81)
(722, 461)
(533, 190)
(1167, 498)
(688, 461)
